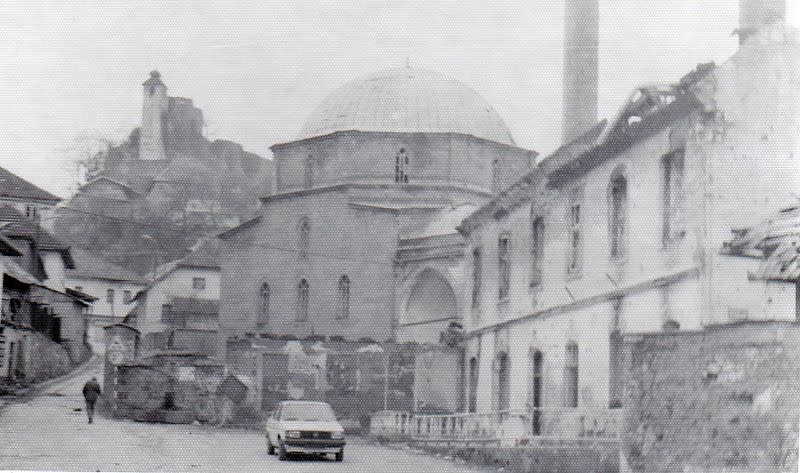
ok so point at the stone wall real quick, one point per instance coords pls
(722, 399)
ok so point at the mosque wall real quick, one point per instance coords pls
(413, 158)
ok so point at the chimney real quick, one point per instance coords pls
(756, 14)
(579, 99)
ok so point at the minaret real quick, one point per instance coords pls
(151, 141)
(579, 95)
(756, 14)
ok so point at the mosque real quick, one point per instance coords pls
(380, 175)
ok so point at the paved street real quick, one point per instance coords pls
(46, 433)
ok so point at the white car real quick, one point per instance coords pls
(304, 427)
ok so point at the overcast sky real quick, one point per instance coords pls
(74, 68)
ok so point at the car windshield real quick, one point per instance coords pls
(307, 412)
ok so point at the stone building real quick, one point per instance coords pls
(627, 230)
(379, 161)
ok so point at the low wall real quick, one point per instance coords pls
(723, 399)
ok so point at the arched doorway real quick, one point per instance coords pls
(536, 392)
(430, 307)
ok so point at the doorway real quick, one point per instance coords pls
(536, 394)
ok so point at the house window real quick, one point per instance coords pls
(401, 164)
(477, 268)
(344, 297)
(79, 288)
(502, 368)
(672, 195)
(31, 211)
(504, 266)
(126, 297)
(198, 283)
(304, 228)
(571, 375)
(302, 301)
(110, 296)
(495, 176)
(617, 219)
(263, 304)
(537, 250)
(574, 258)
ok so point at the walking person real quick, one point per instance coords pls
(91, 392)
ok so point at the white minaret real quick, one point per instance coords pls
(756, 14)
(151, 141)
(579, 96)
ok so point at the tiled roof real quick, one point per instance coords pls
(12, 185)
(16, 225)
(89, 265)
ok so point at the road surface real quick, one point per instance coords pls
(47, 433)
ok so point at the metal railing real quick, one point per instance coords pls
(550, 423)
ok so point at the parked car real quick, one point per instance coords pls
(304, 427)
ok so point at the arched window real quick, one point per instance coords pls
(344, 297)
(304, 228)
(618, 214)
(504, 265)
(263, 304)
(401, 162)
(571, 375)
(472, 399)
(302, 300)
(537, 249)
(502, 376)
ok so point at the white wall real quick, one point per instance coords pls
(176, 284)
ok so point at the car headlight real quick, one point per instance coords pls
(292, 434)
(337, 435)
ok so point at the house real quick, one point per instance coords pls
(112, 287)
(179, 307)
(33, 202)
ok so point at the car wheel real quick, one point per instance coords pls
(340, 455)
(282, 456)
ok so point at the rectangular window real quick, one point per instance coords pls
(571, 376)
(477, 268)
(504, 266)
(126, 297)
(537, 250)
(575, 237)
(672, 195)
(110, 296)
(198, 283)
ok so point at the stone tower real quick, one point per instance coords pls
(756, 14)
(155, 104)
(579, 99)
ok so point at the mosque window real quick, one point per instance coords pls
(575, 237)
(618, 196)
(672, 195)
(477, 268)
(472, 401)
(571, 375)
(305, 237)
(263, 304)
(344, 297)
(504, 266)
(537, 249)
(309, 172)
(401, 164)
(302, 301)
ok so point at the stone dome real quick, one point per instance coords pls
(407, 100)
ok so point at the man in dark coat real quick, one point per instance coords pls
(91, 392)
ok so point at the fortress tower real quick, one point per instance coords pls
(155, 104)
